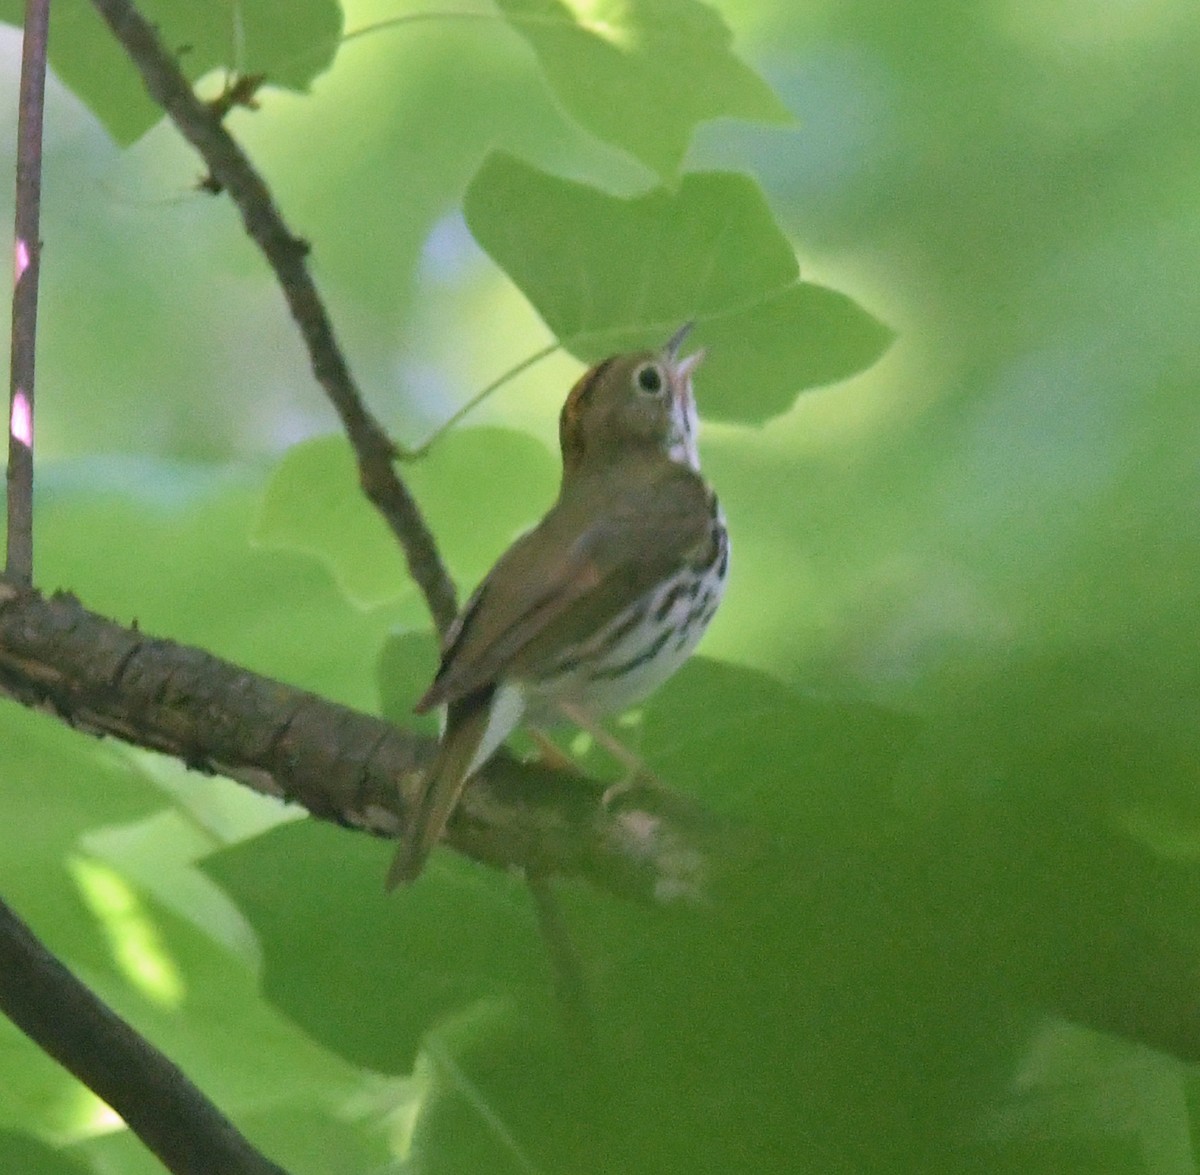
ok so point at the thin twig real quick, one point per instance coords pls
(156, 1100)
(285, 253)
(27, 247)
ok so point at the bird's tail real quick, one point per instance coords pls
(467, 722)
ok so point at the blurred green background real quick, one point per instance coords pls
(954, 680)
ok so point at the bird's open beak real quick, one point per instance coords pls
(671, 350)
(683, 368)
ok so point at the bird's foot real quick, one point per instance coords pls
(640, 782)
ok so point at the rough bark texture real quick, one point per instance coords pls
(342, 765)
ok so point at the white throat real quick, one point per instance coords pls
(685, 431)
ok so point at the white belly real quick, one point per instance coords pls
(620, 665)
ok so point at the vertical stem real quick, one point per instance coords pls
(27, 250)
(569, 985)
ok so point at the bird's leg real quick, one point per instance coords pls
(637, 774)
(548, 750)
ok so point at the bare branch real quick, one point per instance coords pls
(27, 249)
(230, 170)
(343, 766)
(157, 1101)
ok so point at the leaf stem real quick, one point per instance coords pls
(433, 16)
(478, 398)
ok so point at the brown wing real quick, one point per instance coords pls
(600, 548)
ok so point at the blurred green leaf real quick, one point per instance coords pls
(480, 488)
(465, 934)
(290, 44)
(407, 663)
(643, 73)
(608, 274)
(1068, 1110)
(314, 505)
(755, 750)
(21, 1152)
(958, 928)
(125, 535)
(55, 787)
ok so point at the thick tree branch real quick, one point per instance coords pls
(344, 766)
(27, 248)
(156, 1100)
(229, 168)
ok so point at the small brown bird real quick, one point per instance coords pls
(603, 600)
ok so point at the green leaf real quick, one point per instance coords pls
(463, 934)
(607, 274)
(804, 337)
(127, 535)
(29, 1155)
(480, 488)
(642, 73)
(289, 43)
(727, 735)
(406, 666)
(56, 786)
(313, 504)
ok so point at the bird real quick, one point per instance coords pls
(603, 600)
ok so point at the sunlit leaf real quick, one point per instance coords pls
(608, 274)
(642, 73)
(290, 44)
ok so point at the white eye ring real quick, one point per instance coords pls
(650, 379)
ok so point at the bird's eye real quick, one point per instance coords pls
(649, 379)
